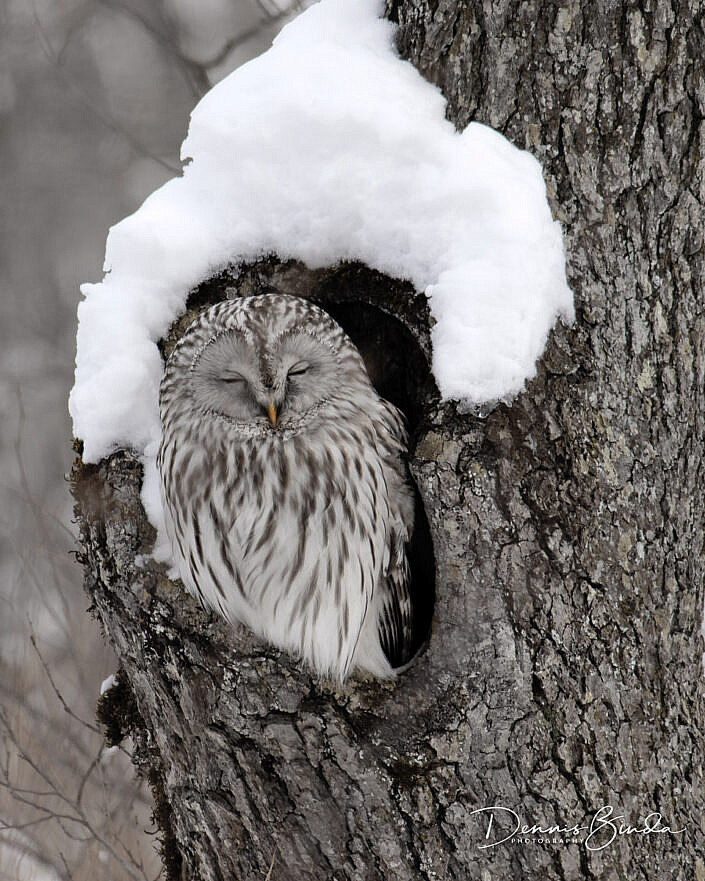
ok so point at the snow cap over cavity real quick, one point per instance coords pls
(329, 147)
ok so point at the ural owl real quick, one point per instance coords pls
(285, 486)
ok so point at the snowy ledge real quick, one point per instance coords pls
(327, 148)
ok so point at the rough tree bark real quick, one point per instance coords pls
(563, 671)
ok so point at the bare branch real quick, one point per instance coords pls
(245, 36)
(108, 121)
(193, 73)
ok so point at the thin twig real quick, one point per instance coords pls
(271, 865)
(108, 121)
(56, 691)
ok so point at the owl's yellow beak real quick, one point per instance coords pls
(272, 413)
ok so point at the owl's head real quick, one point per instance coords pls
(270, 363)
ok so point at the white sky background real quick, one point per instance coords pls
(94, 104)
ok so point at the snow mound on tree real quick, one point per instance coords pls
(329, 147)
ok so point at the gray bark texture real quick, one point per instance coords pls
(564, 667)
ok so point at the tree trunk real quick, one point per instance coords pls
(563, 671)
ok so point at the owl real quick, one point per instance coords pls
(285, 486)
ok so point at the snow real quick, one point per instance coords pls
(328, 147)
(108, 683)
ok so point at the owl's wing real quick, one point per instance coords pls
(395, 621)
(395, 610)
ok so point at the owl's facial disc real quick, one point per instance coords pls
(262, 384)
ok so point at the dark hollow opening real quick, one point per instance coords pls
(400, 373)
(394, 360)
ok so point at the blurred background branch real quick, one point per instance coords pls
(94, 103)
